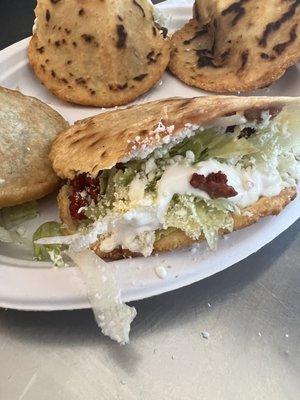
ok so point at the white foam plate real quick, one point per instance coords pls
(30, 285)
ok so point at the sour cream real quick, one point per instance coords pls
(175, 180)
(250, 183)
(135, 232)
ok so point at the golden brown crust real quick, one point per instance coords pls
(102, 141)
(117, 254)
(27, 129)
(264, 207)
(98, 53)
(69, 225)
(230, 50)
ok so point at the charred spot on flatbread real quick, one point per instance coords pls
(227, 48)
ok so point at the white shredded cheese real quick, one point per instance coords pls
(141, 148)
(56, 259)
(205, 335)
(161, 272)
(146, 146)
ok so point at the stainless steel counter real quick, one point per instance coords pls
(233, 336)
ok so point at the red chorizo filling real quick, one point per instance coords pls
(85, 189)
(214, 184)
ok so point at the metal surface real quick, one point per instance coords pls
(250, 314)
(233, 336)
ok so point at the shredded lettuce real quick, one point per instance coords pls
(48, 252)
(196, 216)
(212, 144)
(109, 179)
(289, 122)
(280, 135)
(10, 236)
(112, 315)
(13, 216)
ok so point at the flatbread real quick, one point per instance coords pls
(98, 53)
(264, 207)
(237, 46)
(100, 142)
(27, 129)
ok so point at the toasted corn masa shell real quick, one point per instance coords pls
(98, 53)
(237, 46)
(27, 129)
